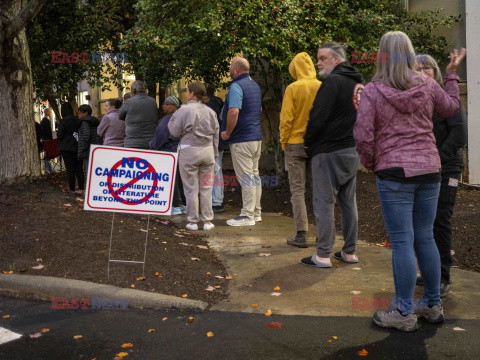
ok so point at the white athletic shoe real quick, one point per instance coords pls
(241, 221)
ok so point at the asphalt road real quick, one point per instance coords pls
(236, 336)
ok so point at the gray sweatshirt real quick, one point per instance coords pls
(141, 116)
(196, 124)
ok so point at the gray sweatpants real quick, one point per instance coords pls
(334, 178)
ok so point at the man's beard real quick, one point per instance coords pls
(327, 70)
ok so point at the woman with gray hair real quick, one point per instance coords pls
(394, 138)
(450, 135)
(197, 127)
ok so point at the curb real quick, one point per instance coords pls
(46, 287)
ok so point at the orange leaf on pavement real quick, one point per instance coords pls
(151, 330)
(184, 295)
(44, 330)
(253, 304)
(165, 318)
(228, 277)
(209, 334)
(274, 325)
(276, 288)
(190, 319)
(77, 336)
(362, 352)
(127, 345)
(269, 313)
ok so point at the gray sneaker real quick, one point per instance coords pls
(433, 315)
(241, 221)
(392, 318)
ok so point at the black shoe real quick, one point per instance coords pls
(419, 281)
(299, 241)
(444, 289)
(218, 209)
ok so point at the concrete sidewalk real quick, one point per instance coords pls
(344, 290)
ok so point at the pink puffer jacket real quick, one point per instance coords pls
(394, 127)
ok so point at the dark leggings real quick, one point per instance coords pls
(74, 169)
(178, 193)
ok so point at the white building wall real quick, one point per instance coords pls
(473, 75)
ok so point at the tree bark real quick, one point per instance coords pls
(18, 147)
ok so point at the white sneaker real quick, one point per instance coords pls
(193, 226)
(241, 221)
(208, 226)
(258, 218)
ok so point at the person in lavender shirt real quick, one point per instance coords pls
(394, 138)
(111, 128)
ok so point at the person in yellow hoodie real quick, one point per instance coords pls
(296, 106)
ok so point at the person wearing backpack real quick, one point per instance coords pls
(87, 133)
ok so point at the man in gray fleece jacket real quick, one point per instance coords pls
(140, 113)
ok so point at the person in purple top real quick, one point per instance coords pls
(111, 128)
(394, 138)
(164, 141)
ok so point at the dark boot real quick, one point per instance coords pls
(300, 240)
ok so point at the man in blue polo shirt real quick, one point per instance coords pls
(241, 129)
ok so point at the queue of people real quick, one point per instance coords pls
(405, 126)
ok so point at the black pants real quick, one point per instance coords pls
(74, 169)
(442, 228)
(178, 193)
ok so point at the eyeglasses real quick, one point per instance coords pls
(425, 68)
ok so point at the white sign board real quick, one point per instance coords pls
(130, 180)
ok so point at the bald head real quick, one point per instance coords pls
(239, 66)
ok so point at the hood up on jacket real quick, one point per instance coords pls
(345, 69)
(66, 110)
(405, 101)
(93, 121)
(301, 67)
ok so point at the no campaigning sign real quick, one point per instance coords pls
(130, 180)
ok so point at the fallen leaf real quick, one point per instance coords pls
(268, 312)
(266, 246)
(6, 316)
(157, 275)
(210, 288)
(127, 345)
(355, 292)
(44, 330)
(228, 278)
(131, 285)
(121, 355)
(219, 276)
(179, 235)
(274, 325)
(195, 259)
(164, 242)
(248, 285)
(208, 273)
(276, 288)
(217, 287)
(184, 295)
(165, 318)
(184, 244)
(36, 335)
(39, 260)
(37, 239)
(209, 334)
(38, 267)
(67, 205)
(253, 305)
(141, 278)
(202, 247)
(7, 272)
(335, 337)
(151, 330)
(190, 319)
(276, 294)
(263, 254)
(356, 268)
(452, 252)
(77, 336)
(165, 222)
(329, 340)
(362, 352)
(458, 329)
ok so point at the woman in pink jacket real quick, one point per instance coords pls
(394, 138)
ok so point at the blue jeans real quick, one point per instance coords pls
(409, 212)
(217, 190)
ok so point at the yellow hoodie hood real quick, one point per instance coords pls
(298, 100)
(301, 67)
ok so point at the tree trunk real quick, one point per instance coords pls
(18, 146)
